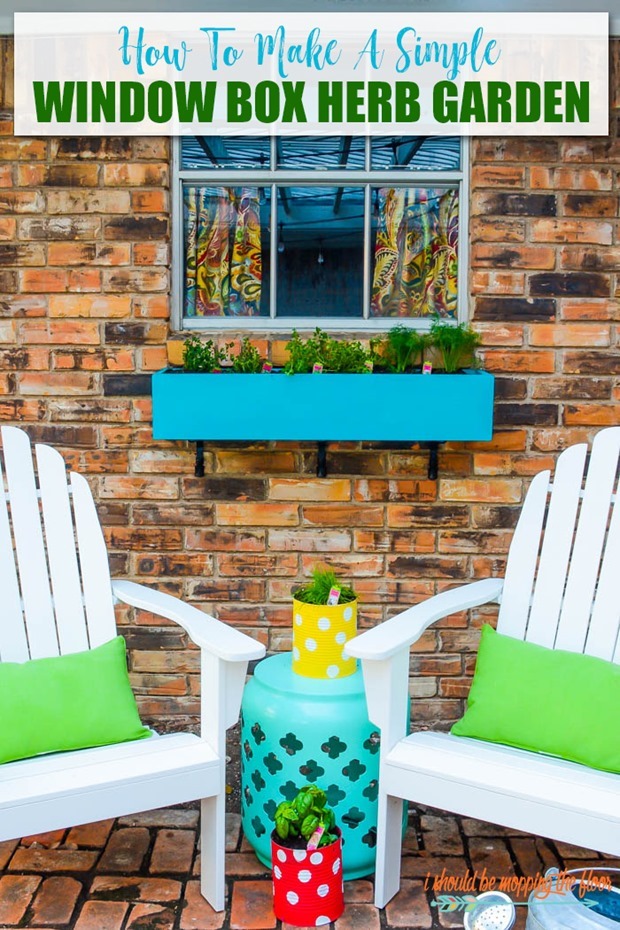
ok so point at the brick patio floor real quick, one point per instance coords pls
(140, 873)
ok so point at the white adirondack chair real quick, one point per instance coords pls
(69, 608)
(564, 595)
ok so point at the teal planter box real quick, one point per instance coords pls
(379, 407)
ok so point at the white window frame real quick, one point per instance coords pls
(299, 177)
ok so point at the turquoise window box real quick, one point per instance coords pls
(320, 407)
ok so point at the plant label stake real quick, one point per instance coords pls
(334, 597)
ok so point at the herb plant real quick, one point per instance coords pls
(204, 356)
(455, 345)
(300, 818)
(403, 349)
(317, 590)
(248, 361)
(335, 355)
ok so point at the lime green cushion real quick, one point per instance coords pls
(547, 700)
(67, 702)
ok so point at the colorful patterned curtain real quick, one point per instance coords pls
(416, 257)
(223, 260)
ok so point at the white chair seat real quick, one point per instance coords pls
(51, 791)
(503, 770)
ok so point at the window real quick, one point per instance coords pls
(341, 232)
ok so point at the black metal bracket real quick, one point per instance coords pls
(433, 460)
(321, 459)
(199, 466)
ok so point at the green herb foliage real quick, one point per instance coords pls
(304, 814)
(455, 345)
(248, 361)
(335, 355)
(317, 591)
(403, 349)
(204, 356)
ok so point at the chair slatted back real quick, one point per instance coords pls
(53, 561)
(562, 584)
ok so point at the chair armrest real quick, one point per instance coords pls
(388, 638)
(216, 637)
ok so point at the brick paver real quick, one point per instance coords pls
(141, 873)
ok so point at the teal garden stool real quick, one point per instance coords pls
(299, 730)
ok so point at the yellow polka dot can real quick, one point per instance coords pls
(320, 632)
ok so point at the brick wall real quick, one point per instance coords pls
(84, 279)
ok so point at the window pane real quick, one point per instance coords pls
(320, 251)
(320, 152)
(206, 152)
(415, 252)
(416, 153)
(227, 253)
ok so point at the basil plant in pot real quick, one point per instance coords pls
(307, 860)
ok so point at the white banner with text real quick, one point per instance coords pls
(311, 73)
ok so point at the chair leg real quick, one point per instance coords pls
(389, 845)
(212, 850)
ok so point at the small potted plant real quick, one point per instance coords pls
(324, 619)
(307, 861)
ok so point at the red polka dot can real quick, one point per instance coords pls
(307, 884)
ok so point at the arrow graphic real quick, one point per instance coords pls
(450, 903)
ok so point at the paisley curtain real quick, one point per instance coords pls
(223, 259)
(416, 258)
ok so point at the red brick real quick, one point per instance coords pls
(143, 488)
(254, 463)
(55, 901)
(91, 834)
(308, 489)
(96, 915)
(512, 256)
(88, 201)
(151, 253)
(573, 334)
(342, 515)
(502, 490)
(497, 282)
(43, 280)
(151, 917)
(149, 201)
(196, 913)
(359, 917)
(135, 888)
(251, 907)
(542, 362)
(570, 230)
(173, 851)
(257, 514)
(52, 860)
(21, 201)
(251, 564)
(8, 227)
(15, 894)
(56, 383)
(409, 908)
(125, 850)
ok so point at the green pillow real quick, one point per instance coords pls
(547, 700)
(67, 702)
